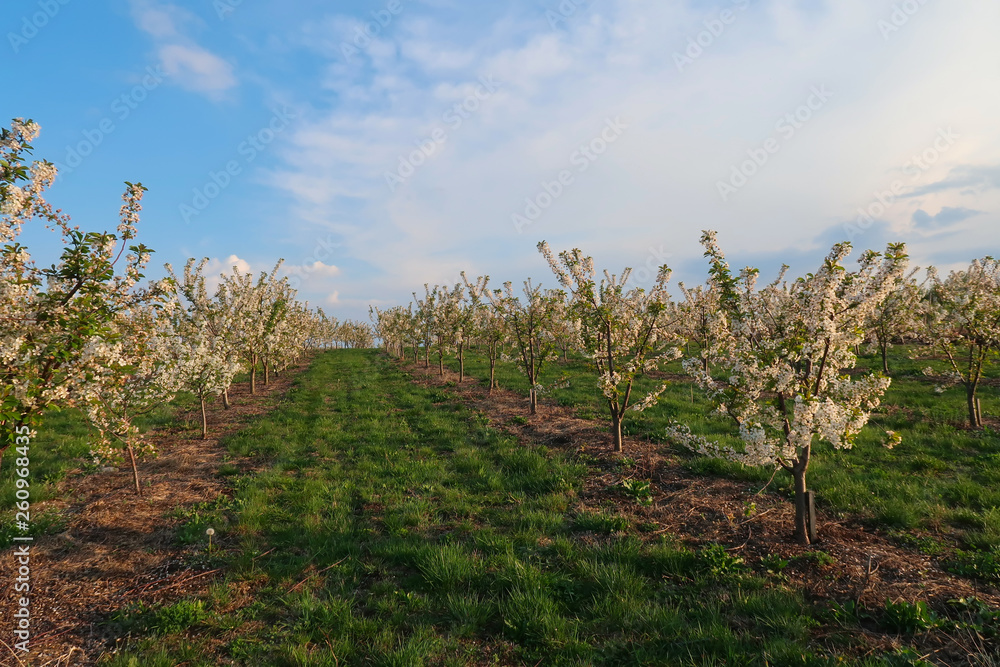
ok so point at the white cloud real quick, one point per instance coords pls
(160, 21)
(312, 278)
(188, 64)
(316, 268)
(657, 185)
(196, 69)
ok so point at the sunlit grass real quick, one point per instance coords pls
(399, 529)
(942, 477)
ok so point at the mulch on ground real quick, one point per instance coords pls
(868, 568)
(119, 549)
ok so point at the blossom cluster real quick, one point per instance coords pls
(623, 332)
(785, 351)
(61, 325)
(84, 333)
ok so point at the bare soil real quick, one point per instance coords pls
(119, 549)
(868, 567)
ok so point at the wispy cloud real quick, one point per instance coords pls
(967, 179)
(946, 217)
(189, 65)
(197, 69)
(658, 186)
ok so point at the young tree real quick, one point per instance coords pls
(699, 312)
(390, 327)
(425, 313)
(136, 377)
(486, 323)
(965, 324)
(219, 313)
(566, 329)
(286, 331)
(447, 321)
(56, 321)
(466, 324)
(623, 333)
(326, 330)
(897, 318)
(785, 350)
(202, 364)
(529, 323)
(258, 308)
(357, 335)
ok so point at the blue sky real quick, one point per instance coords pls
(376, 146)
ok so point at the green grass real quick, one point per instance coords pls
(62, 445)
(942, 478)
(393, 527)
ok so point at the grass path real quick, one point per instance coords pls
(943, 479)
(392, 526)
(99, 546)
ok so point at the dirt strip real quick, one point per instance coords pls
(118, 549)
(850, 563)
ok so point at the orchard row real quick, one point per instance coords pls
(84, 333)
(777, 360)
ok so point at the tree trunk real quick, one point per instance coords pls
(225, 398)
(253, 379)
(204, 420)
(533, 400)
(135, 470)
(616, 430)
(493, 368)
(461, 363)
(885, 359)
(441, 362)
(267, 374)
(970, 395)
(801, 508)
(427, 356)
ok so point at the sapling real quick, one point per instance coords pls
(784, 353)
